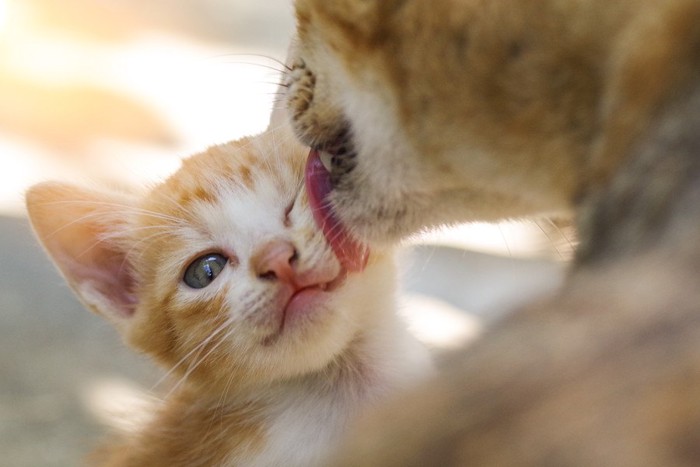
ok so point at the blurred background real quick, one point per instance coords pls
(121, 90)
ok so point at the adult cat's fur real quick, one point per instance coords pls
(459, 110)
(606, 372)
(463, 109)
(271, 358)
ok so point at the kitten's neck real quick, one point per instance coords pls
(306, 416)
(381, 358)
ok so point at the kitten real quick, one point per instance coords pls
(273, 341)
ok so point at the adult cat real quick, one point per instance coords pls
(459, 110)
(220, 274)
(443, 111)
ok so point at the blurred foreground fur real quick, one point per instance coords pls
(462, 110)
(605, 373)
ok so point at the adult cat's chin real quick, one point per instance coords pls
(380, 221)
(377, 225)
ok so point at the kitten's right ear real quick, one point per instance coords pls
(83, 232)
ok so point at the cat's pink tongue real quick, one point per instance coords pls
(352, 254)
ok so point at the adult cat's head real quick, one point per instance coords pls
(220, 272)
(439, 112)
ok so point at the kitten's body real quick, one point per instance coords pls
(469, 110)
(270, 354)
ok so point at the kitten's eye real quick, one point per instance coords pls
(204, 270)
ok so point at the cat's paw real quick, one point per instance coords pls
(315, 114)
(300, 82)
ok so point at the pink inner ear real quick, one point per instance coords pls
(108, 274)
(83, 232)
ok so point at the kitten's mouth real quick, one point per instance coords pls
(299, 300)
(351, 253)
(303, 302)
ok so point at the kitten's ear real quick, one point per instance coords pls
(83, 233)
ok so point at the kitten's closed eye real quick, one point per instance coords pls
(203, 270)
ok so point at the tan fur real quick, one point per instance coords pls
(460, 110)
(473, 109)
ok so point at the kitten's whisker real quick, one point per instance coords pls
(121, 234)
(197, 348)
(134, 248)
(198, 361)
(124, 208)
(175, 203)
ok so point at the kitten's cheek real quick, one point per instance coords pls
(351, 253)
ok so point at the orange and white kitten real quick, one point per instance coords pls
(274, 338)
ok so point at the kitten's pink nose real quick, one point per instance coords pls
(275, 261)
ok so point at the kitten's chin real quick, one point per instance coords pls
(351, 253)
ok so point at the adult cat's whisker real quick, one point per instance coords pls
(505, 241)
(283, 66)
(549, 239)
(274, 83)
(279, 92)
(278, 106)
(570, 243)
(261, 65)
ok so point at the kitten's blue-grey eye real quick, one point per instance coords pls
(204, 270)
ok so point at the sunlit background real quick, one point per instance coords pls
(123, 88)
(119, 91)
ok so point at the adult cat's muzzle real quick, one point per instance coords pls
(338, 157)
(351, 253)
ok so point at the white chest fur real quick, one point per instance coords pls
(306, 419)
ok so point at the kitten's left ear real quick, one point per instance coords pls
(83, 232)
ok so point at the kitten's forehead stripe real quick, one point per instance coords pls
(201, 194)
(246, 176)
(205, 173)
